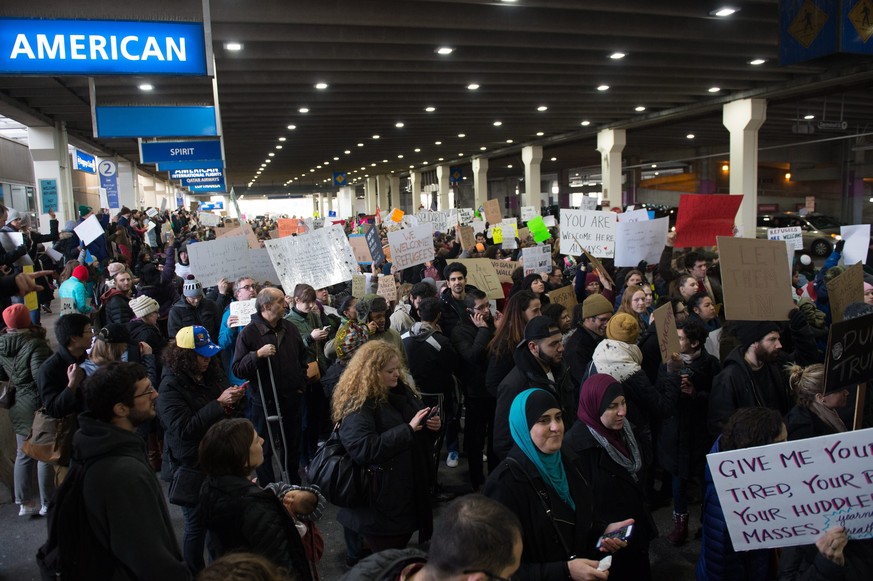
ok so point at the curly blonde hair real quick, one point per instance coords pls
(360, 381)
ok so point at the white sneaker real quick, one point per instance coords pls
(28, 510)
(43, 510)
(452, 460)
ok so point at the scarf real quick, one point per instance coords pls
(549, 466)
(598, 392)
(617, 358)
(828, 416)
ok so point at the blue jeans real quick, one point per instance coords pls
(194, 539)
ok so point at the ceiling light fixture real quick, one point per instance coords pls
(360, 145)
(437, 142)
(462, 135)
(146, 87)
(508, 141)
(603, 88)
(809, 117)
(654, 165)
(617, 55)
(690, 136)
(268, 161)
(348, 151)
(509, 166)
(278, 147)
(714, 89)
(483, 148)
(498, 123)
(283, 139)
(292, 127)
(472, 86)
(724, 11)
(554, 159)
(271, 154)
(400, 156)
(376, 136)
(321, 86)
(399, 124)
(540, 133)
(430, 109)
(444, 50)
(542, 108)
(234, 46)
(336, 158)
(639, 109)
(417, 150)
(303, 110)
(757, 62)
(585, 123)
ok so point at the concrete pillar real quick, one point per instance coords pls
(610, 144)
(394, 192)
(51, 161)
(532, 156)
(415, 186)
(480, 181)
(444, 177)
(330, 197)
(128, 185)
(382, 185)
(743, 119)
(370, 197)
(345, 202)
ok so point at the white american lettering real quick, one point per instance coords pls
(94, 47)
(98, 44)
(57, 47)
(21, 46)
(77, 45)
(176, 49)
(124, 52)
(152, 50)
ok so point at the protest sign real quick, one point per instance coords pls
(411, 246)
(481, 274)
(703, 217)
(261, 268)
(504, 269)
(523, 234)
(250, 235)
(668, 337)
(755, 279)
(845, 289)
(150, 225)
(630, 215)
(849, 358)
(359, 282)
(528, 213)
(12, 240)
(809, 204)
(374, 245)
(221, 258)
(640, 240)
(496, 234)
(68, 307)
(792, 235)
(549, 221)
(387, 287)
(857, 243)
(468, 238)
(566, 295)
(209, 219)
(537, 259)
(440, 220)
(478, 226)
(593, 229)
(465, 215)
(360, 248)
(493, 215)
(244, 311)
(54, 254)
(321, 258)
(152, 212)
(89, 230)
(288, 226)
(30, 299)
(788, 494)
(589, 203)
(192, 206)
(396, 215)
(163, 205)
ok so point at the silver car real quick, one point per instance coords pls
(820, 232)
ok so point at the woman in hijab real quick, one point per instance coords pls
(611, 462)
(541, 482)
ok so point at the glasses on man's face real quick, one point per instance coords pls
(603, 320)
(482, 308)
(247, 287)
(489, 574)
(149, 391)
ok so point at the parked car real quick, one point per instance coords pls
(820, 232)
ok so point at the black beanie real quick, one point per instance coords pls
(749, 332)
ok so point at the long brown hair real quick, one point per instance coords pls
(511, 330)
(626, 298)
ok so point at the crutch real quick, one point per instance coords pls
(283, 458)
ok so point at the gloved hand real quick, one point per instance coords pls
(839, 246)
(642, 266)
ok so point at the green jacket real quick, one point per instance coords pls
(306, 325)
(22, 352)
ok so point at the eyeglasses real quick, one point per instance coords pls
(602, 320)
(489, 574)
(247, 287)
(482, 308)
(149, 391)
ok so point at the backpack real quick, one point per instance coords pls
(72, 550)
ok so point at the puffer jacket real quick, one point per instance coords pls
(22, 352)
(206, 314)
(116, 307)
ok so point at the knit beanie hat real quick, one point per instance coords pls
(81, 273)
(115, 268)
(591, 277)
(192, 287)
(13, 215)
(594, 305)
(143, 305)
(17, 316)
(749, 332)
(623, 327)
(84, 210)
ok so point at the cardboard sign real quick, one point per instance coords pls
(193, 206)
(566, 295)
(359, 283)
(481, 274)
(244, 310)
(845, 289)
(226, 257)
(387, 287)
(668, 336)
(208, 219)
(411, 246)
(788, 494)
(703, 217)
(640, 240)
(504, 269)
(30, 299)
(537, 259)
(493, 215)
(849, 358)
(528, 213)
(592, 230)
(809, 204)
(857, 239)
(322, 258)
(467, 236)
(89, 230)
(360, 249)
(792, 235)
(374, 245)
(523, 234)
(288, 226)
(755, 279)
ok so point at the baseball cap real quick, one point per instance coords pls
(197, 338)
(540, 328)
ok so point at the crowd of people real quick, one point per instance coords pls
(573, 426)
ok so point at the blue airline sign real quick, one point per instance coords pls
(174, 165)
(205, 185)
(193, 121)
(84, 162)
(201, 173)
(101, 47)
(164, 151)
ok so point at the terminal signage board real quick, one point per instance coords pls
(206, 186)
(174, 165)
(101, 47)
(84, 162)
(200, 173)
(189, 121)
(179, 151)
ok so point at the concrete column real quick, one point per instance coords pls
(370, 197)
(345, 202)
(743, 119)
(415, 186)
(480, 181)
(330, 197)
(394, 195)
(610, 144)
(128, 185)
(382, 192)
(444, 177)
(51, 161)
(532, 156)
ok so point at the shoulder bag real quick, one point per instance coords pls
(50, 439)
(342, 481)
(185, 486)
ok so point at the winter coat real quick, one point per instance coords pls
(331, 378)
(805, 563)
(140, 332)
(578, 353)
(401, 319)
(802, 423)
(227, 341)
(242, 516)
(22, 353)
(544, 556)
(471, 345)
(452, 312)
(125, 504)
(379, 436)
(432, 359)
(59, 401)
(306, 324)
(116, 307)
(385, 565)
(182, 314)
(73, 288)
(166, 293)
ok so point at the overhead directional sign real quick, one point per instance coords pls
(84, 162)
(203, 185)
(200, 173)
(174, 165)
(164, 151)
(101, 47)
(194, 121)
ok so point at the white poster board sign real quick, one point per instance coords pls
(261, 267)
(321, 258)
(528, 213)
(152, 212)
(244, 310)
(478, 226)
(594, 229)
(549, 221)
(537, 259)
(440, 220)
(220, 258)
(643, 240)
(788, 494)
(163, 205)
(792, 235)
(466, 215)
(589, 203)
(411, 246)
(89, 230)
(857, 239)
(209, 220)
(11, 241)
(632, 215)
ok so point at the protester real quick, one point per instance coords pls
(193, 308)
(520, 309)
(579, 349)
(815, 413)
(73, 288)
(452, 297)
(244, 289)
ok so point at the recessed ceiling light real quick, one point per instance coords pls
(318, 167)
(325, 163)
(146, 87)
(617, 55)
(483, 148)
(399, 124)
(498, 123)
(508, 1)
(363, 167)
(263, 165)
(292, 127)
(757, 62)
(348, 151)
(417, 150)
(268, 160)
(509, 166)
(400, 156)
(690, 136)
(384, 161)
(444, 50)
(809, 117)
(430, 109)
(283, 139)
(654, 165)
(472, 86)
(373, 164)
(412, 166)
(554, 159)
(714, 89)
(724, 11)
(311, 171)
(437, 142)
(585, 123)
(360, 145)
(639, 109)
(303, 110)
(271, 154)
(462, 135)
(460, 155)
(278, 147)
(542, 108)
(376, 137)
(508, 141)
(441, 159)
(540, 133)
(234, 46)
(321, 86)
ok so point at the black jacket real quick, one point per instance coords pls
(241, 516)
(578, 352)
(59, 401)
(431, 357)
(471, 345)
(385, 565)
(206, 315)
(544, 556)
(802, 423)
(116, 307)
(452, 313)
(140, 332)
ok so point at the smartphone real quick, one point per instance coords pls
(433, 412)
(622, 534)
(244, 386)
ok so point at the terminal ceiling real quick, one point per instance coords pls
(379, 59)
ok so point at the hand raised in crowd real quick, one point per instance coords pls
(231, 395)
(223, 285)
(75, 375)
(671, 238)
(585, 570)
(232, 321)
(372, 327)
(26, 281)
(145, 348)
(266, 351)
(832, 543)
(416, 422)
(52, 215)
(479, 320)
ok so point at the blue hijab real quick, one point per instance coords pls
(526, 408)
